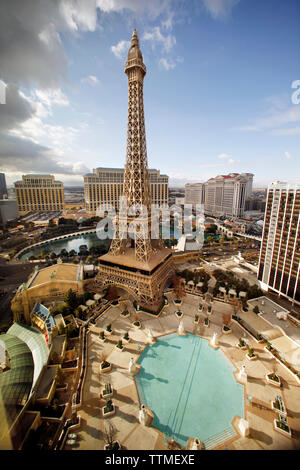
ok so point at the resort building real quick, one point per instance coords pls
(3, 187)
(41, 319)
(225, 195)
(279, 262)
(8, 211)
(25, 377)
(194, 193)
(39, 193)
(105, 186)
(45, 286)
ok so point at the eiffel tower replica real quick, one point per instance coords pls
(138, 263)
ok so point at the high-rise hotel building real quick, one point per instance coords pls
(194, 193)
(105, 186)
(3, 188)
(39, 193)
(279, 262)
(225, 195)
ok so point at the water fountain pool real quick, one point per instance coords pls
(190, 388)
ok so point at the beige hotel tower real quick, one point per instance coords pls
(39, 193)
(279, 264)
(105, 186)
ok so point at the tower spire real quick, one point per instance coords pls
(136, 262)
(136, 179)
(134, 38)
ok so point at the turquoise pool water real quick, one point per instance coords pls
(190, 388)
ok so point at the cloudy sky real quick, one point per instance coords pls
(218, 90)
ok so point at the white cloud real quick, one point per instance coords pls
(153, 8)
(32, 51)
(120, 49)
(28, 142)
(79, 15)
(287, 131)
(220, 9)
(224, 155)
(52, 97)
(276, 121)
(90, 80)
(288, 155)
(32, 55)
(77, 168)
(156, 37)
(167, 64)
(168, 22)
(229, 160)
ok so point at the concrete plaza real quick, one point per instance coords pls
(131, 434)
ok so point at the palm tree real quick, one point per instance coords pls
(110, 432)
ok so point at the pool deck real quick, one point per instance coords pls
(134, 436)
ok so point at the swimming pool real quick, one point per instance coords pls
(190, 388)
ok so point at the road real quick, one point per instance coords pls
(11, 276)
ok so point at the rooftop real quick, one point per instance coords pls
(28, 353)
(60, 272)
(58, 344)
(128, 259)
(46, 382)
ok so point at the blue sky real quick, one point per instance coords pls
(217, 93)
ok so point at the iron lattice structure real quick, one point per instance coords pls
(136, 179)
(137, 263)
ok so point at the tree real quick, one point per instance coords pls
(110, 432)
(64, 253)
(112, 293)
(59, 377)
(212, 228)
(69, 330)
(44, 253)
(83, 250)
(216, 290)
(78, 313)
(178, 286)
(71, 300)
(55, 404)
(12, 253)
(173, 241)
(51, 223)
